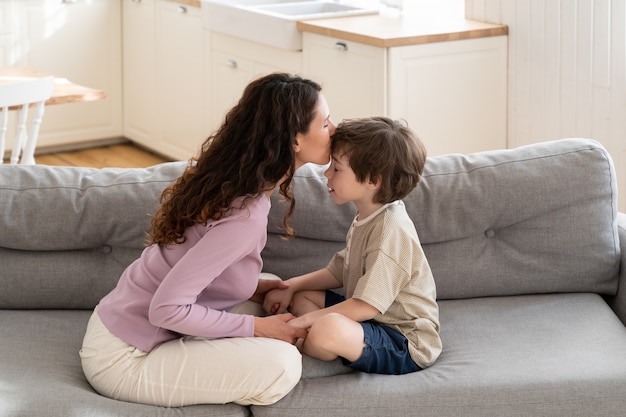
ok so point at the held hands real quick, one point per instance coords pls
(278, 300)
(277, 327)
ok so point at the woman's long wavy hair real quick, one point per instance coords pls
(251, 152)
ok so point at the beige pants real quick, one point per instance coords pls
(189, 370)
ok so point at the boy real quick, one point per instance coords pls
(388, 322)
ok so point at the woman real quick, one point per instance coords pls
(168, 333)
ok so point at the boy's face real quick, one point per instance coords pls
(343, 185)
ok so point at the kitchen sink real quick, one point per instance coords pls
(272, 22)
(311, 10)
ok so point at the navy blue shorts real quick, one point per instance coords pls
(386, 350)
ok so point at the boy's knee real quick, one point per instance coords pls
(297, 304)
(304, 302)
(327, 329)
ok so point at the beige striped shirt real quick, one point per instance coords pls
(387, 269)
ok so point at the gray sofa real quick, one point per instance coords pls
(526, 245)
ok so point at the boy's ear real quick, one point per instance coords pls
(374, 183)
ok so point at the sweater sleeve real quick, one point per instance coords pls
(228, 252)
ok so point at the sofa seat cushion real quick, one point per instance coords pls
(41, 374)
(548, 355)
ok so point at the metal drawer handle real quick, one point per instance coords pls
(231, 63)
(182, 9)
(341, 46)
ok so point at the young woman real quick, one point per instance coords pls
(167, 335)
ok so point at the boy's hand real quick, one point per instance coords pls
(278, 300)
(266, 285)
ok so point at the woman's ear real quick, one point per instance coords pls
(296, 143)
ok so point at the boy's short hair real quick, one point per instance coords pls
(381, 148)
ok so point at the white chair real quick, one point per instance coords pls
(20, 96)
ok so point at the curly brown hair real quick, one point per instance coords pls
(250, 153)
(382, 148)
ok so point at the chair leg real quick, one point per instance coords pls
(4, 122)
(19, 135)
(28, 155)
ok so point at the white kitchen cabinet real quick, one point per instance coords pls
(183, 75)
(139, 69)
(78, 40)
(7, 33)
(235, 62)
(453, 94)
(166, 77)
(353, 75)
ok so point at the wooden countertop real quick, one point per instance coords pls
(193, 3)
(421, 22)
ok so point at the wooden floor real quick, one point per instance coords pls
(124, 155)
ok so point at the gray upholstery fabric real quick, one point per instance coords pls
(41, 375)
(524, 244)
(540, 355)
(618, 302)
(536, 219)
(67, 233)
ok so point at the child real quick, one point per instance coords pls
(388, 322)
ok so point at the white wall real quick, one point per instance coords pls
(567, 71)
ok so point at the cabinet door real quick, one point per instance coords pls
(139, 69)
(453, 94)
(183, 113)
(352, 75)
(231, 73)
(7, 34)
(235, 62)
(78, 40)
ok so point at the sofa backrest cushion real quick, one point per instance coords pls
(67, 233)
(535, 219)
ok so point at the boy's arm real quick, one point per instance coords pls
(277, 301)
(322, 279)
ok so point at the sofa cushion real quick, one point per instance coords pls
(535, 219)
(66, 233)
(550, 355)
(42, 374)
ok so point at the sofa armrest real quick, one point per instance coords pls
(618, 302)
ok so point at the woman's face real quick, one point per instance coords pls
(314, 146)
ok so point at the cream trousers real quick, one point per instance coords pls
(190, 370)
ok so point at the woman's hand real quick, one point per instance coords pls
(266, 285)
(277, 327)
